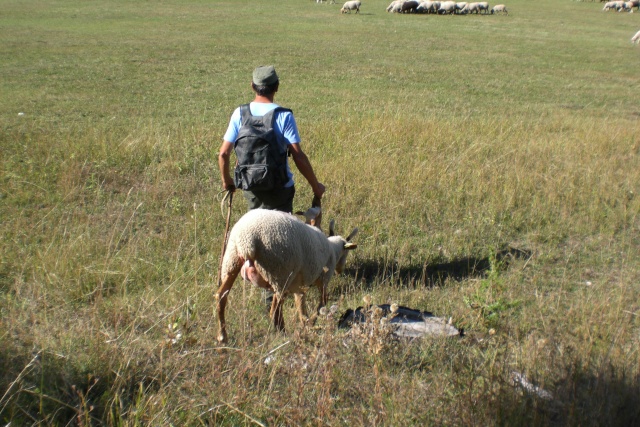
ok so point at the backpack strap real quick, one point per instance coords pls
(245, 113)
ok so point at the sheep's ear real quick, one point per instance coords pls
(350, 246)
(352, 235)
(332, 224)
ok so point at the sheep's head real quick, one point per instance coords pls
(347, 246)
(313, 215)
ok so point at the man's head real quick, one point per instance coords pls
(265, 80)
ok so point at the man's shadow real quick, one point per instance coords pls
(424, 274)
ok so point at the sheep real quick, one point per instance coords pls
(500, 8)
(617, 5)
(431, 6)
(277, 251)
(635, 3)
(428, 6)
(460, 7)
(628, 6)
(351, 5)
(483, 6)
(636, 38)
(409, 6)
(392, 6)
(447, 7)
(397, 8)
(471, 8)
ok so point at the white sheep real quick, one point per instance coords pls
(393, 4)
(431, 6)
(636, 38)
(351, 5)
(460, 7)
(447, 7)
(397, 8)
(617, 5)
(471, 8)
(500, 8)
(277, 251)
(483, 6)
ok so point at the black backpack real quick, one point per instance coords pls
(262, 160)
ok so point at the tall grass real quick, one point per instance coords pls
(491, 163)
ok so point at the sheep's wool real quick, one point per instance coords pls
(288, 253)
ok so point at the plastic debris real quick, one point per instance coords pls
(406, 322)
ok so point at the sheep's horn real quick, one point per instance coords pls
(352, 235)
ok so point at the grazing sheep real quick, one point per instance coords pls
(447, 7)
(627, 6)
(635, 3)
(277, 251)
(409, 6)
(471, 8)
(431, 6)
(397, 8)
(460, 7)
(636, 38)
(483, 6)
(393, 5)
(500, 8)
(617, 5)
(351, 5)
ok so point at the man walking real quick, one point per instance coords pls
(249, 127)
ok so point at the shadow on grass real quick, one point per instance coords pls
(43, 387)
(581, 398)
(435, 274)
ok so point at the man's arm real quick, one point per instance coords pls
(304, 166)
(224, 158)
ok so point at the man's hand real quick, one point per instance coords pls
(230, 187)
(319, 190)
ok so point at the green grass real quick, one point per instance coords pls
(447, 139)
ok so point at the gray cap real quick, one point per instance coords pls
(264, 75)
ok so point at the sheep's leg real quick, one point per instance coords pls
(228, 277)
(301, 305)
(322, 288)
(276, 312)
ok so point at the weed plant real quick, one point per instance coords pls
(491, 162)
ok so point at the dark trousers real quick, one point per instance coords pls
(277, 200)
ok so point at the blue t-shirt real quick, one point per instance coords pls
(285, 127)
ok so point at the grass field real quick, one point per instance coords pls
(506, 143)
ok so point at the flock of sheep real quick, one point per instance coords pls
(445, 7)
(624, 6)
(428, 6)
(621, 6)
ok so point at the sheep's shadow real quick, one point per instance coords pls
(425, 274)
